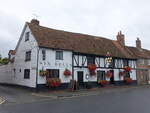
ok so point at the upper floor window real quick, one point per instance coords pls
(28, 56)
(141, 61)
(125, 63)
(90, 60)
(44, 54)
(27, 36)
(26, 73)
(59, 55)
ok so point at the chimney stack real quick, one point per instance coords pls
(138, 43)
(121, 38)
(35, 22)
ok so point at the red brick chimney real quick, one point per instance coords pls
(138, 43)
(121, 38)
(35, 22)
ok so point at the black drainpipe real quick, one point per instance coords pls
(37, 69)
(72, 66)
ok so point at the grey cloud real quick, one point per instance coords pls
(96, 17)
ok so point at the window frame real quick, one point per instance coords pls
(28, 56)
(101, 75)
(59, 55)
(26, 73)
(27, 35)
(90, 60)
(125, 62)
(52, 73)
(43, 54)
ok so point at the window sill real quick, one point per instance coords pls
(59, 59)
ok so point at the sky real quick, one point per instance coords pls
(94, 17)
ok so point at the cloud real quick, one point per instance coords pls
(96, 17)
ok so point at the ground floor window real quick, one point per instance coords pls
(53, 73)
(101, 75)
(127, 74)
(27, 74)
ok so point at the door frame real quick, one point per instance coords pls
(112, 81)
(80, 82)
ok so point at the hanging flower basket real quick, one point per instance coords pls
(128, 80)
(103, 82)
(67, 72)
(43, 73)
(92, 68)
(127, 69)
(53, 82)
(109, 74)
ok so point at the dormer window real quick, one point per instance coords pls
(27, 36)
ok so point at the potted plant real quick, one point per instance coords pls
(67, 72)
(92, 68)
(53, 82)
(128, 80)
(103, 82)
(43, 73)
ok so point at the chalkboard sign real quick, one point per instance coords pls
(73, 85)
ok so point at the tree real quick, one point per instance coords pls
(4, 61)
(0, 56)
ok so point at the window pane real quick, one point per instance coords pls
(53, 73)
(27, 36)
(90, 60)
(59, 55)
(26, 73)
(125, 62)
(28, 56)
(101, 75)
(43, 54)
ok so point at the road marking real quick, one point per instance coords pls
(2, 100)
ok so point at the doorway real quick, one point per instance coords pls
(80, 78)
(112, 78)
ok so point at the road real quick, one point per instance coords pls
(128, 101)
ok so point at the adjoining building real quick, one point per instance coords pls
(143, 62)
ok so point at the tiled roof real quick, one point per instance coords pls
(57, 39)
(139, 53)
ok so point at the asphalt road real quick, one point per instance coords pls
(128, 101)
